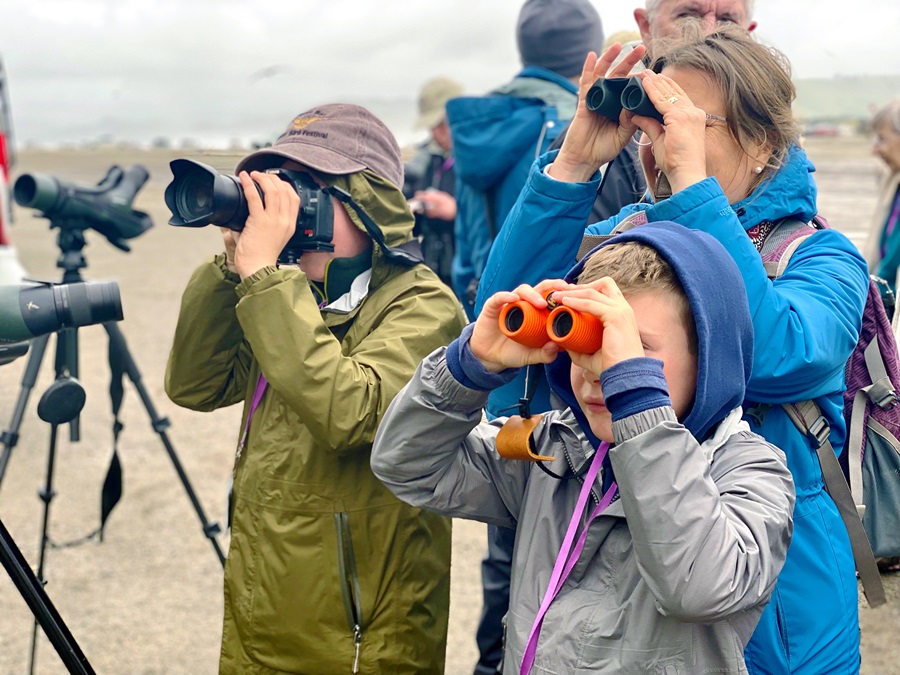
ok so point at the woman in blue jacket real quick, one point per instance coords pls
(725, 161)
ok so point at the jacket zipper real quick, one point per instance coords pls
(581, 478)
(349, 584)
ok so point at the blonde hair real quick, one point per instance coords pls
(638, 268)
(622, 37)
(755, 81)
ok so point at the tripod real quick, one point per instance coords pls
(44, 612)
(71, 242)
(61, 403)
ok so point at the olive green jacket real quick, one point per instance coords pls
(327, 571)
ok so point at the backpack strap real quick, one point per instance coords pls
(882, 393)
(591, 241)
(808, 418)
(776, 252)
(775, 268)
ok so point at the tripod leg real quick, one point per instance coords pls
(67, 365)
(45, 613)
(119, 349)
(10, 437)
(46, 495)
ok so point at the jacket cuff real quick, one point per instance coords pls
(244, 287)
(635, 425)
(548, 186)
(468, 370)
(227, 274)
(633, 386)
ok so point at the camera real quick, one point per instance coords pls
(199, 195)
(532, 326)
(32, 310)
(608, 95)
(105, 208)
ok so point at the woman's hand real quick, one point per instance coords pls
(621, 337)
(679, 147)
(498, 352)
(593, 140)
(269, 227)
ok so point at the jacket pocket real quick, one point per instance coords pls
(781, 624)
(282, 590)
(349, 579)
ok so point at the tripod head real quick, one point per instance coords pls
(73, 209)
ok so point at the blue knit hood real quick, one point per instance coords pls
(718, 301)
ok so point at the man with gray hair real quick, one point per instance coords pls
(663, 18)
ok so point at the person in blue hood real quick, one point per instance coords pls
(651, 534)
(725, 161)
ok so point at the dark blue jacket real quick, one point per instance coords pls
(806, 324)
(496, 139)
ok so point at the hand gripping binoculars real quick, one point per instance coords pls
(530, 326)
(609, 95)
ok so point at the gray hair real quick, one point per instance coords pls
(653, 5)
(889, 114)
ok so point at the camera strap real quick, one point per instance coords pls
(408, 253)
(112, 484)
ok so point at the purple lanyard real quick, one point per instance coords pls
(568, 556)
(261, 385)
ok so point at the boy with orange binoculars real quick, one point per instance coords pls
(651, 531)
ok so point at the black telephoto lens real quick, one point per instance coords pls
(194, 196)
(199, 196)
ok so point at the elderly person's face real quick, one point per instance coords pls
(666, 20)
(887, 145)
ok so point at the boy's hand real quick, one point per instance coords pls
(496, 351)
(268, 227)
(621, 337)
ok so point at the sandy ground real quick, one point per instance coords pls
(148, 599)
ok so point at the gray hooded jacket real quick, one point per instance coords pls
(675, 574)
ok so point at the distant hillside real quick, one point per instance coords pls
(844, 98)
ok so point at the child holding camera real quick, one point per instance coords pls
(653, 539)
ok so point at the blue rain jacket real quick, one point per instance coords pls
(806, 325)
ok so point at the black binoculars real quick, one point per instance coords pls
(609, 95)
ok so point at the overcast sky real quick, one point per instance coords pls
(214, 70)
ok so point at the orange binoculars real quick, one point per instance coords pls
(530, 326)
